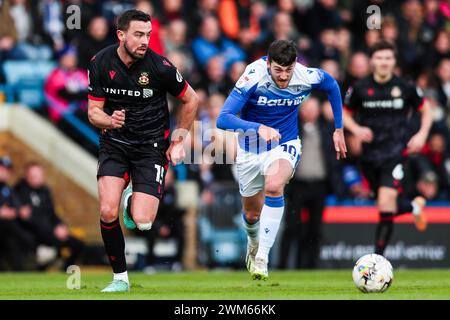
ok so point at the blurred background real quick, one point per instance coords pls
(48, 150)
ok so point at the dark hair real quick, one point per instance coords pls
(283, 52)
(382, 45)
(123, 23)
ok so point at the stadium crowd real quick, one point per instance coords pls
(212, 41)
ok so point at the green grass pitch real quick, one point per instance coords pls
(226, 285)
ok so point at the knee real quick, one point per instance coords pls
(108, 213)
(274, 188)
(251, 215)
(387, 202)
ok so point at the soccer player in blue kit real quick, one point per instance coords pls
(267, 96)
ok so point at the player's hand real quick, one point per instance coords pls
(175, 154)
(117, 119)
(339, 144)
(364, 133)
(416, 143)
(268, 133)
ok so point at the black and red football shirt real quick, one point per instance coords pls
(141, 90)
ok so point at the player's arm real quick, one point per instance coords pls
(178, 87)
(352, 101)
(329, 85)
(351, 125)
(228, 117)
(96, 101)
(101, 119)
(417, 141)
(189, 105)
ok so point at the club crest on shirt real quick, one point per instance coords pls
(396, 92)
(242, 82)
(143, 79)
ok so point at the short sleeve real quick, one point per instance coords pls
(314, 77)
(172, 79)
(248, 82)
(95, 90)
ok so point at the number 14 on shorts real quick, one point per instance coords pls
(159, 173)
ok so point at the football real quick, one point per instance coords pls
(373, 273)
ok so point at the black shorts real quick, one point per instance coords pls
(146, 165)
(387, 174)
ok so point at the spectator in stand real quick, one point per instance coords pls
(323, 15)
(427, 185)
(228, 14)
(171, 10)
(53, 23)
(332, 67)
(410, 46)
(283, 28)
(356, 185)
(439, 50)
(244, 21)
(308, 189)
(203, 9)
(176, 41)
(66, 90)
(8, 34)
(66, 86)
(38, 216)
(443, 78)
(433, 19)
(31, 44)
(214, 82)
(344, 46)
(290, 7)
(389, 30)
(325, 48)
(436, 151)
(371, 37)
(176, 36)
(211, 43)
(233, 75)
(253, 36)
(89, 9)
(93, 41)
(15, 242)
(358, 23)
(155, 43)
(219, 150)
(357, 69)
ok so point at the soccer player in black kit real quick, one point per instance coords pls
(382, 104)
(128, 84)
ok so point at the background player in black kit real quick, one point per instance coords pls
(382, 104)
(128, 84)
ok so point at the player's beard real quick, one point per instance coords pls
(133, 55)
(282, 85)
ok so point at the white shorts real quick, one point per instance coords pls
(251, 167)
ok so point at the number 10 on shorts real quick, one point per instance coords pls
(159, 173)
